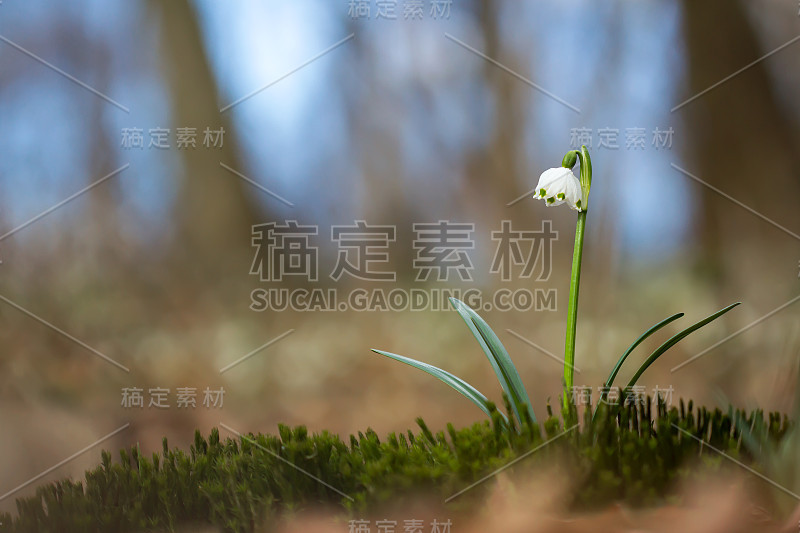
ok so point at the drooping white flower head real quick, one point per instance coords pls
(558, 186)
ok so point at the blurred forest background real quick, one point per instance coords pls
(404, 122)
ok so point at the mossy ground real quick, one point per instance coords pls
(634, 454)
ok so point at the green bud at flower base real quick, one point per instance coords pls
(570, 159)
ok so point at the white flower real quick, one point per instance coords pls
(559, 185)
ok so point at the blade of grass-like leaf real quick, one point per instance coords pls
(675, 339)
(637, 342)
(453, 381)
(461, 309)
(498, 356)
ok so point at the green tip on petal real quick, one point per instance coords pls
(551, 200)
(578, 204)
(561, 196)
(542, 192)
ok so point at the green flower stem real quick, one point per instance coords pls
(572, 311)
(572, 157)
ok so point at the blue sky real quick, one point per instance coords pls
(621, 66)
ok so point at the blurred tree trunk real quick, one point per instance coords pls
(374, 131)
(493, 173)
(213, 213)
(740, 141)
(102, 231)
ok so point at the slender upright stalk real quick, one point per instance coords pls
(572, 311)
(569, 161)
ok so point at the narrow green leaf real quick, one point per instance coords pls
(465, 315)
(501, 362)
(637, 342)
(675, 339)
(454, 382)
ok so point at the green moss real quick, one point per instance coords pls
(627, 454)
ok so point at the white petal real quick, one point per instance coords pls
(574, 194)
(551, 176)
(558, 186)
